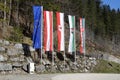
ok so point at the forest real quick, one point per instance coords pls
(101, 20)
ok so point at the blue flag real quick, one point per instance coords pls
(37, 33)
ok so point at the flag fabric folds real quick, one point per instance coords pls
(82, 35)
(60, 30)
(71, 47)
(48, 30)
(37, 33)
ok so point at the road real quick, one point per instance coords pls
(75, 76)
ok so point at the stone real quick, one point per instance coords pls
(25, 67)
(21, 58)
(2, 49)
(40, 68)
(114, 59)
(31, 49)
(86, 70)
(18, 46)
(89, 64)
(21, 52)
(67, 68)
(46, 62)
(105, 56)
(15, 59)
(29, 59)
(5, 67)
(17, 64)
(1, 41)
(6, 43)
(3, 58)
(12, 52)
(94, 62)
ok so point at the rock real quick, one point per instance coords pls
(20, 51)
(60, 67)
(21, 58)
(48, 68)
(1, 41)
(114, 59)
(94, 62)
(87, 67)
(86, 70)
(14, 59)
(31, 49)
(40, 68)
(25, 67)
(73, 67)
(29, 59)
(67, 68)
(89, 64)
(17, 64)
(5, 67)
(18, 46)
(6, 43)
(12, 52)
(46, 62)
(2, 49)
(105, 56)
(3, 58)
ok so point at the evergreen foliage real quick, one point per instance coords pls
(102, 20)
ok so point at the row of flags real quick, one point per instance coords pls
(46, 17)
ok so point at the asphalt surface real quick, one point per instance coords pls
(75, 76)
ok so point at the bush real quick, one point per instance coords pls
(16, 35)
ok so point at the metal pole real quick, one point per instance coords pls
(41, 56)
(52, 46)
(41, 30)
(84, 40)
(75, 40)
(64, 45)
(52, 60)
(64, 59)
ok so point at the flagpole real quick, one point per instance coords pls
(41, 32)
(84, 42)
(52, 45)
(75, 40)
(64, 44)
(64, 48)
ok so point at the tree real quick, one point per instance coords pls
(9, 17)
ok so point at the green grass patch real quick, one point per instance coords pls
(106, 67)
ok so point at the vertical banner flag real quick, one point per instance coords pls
(48, 30)
(71, 47)
(60, 30)
(82, 35)
(37, 33)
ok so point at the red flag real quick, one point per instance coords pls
(60, 30)
(48, 30)
(82, 35)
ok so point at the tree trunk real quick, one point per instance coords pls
(4, 24)
(17, 12)
(10, 12)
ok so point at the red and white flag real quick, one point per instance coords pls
(48, 30)
(60, 30)
(82, 35)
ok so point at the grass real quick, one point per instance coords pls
(106, 67)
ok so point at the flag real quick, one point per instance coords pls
(71, 47)
(60, 30)
(48, 30)
(82, 35)
(37, 33)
